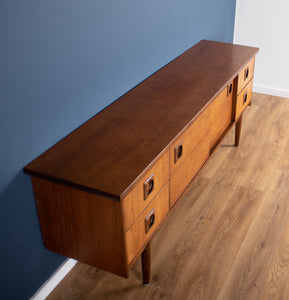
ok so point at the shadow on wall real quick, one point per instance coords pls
(20, 231)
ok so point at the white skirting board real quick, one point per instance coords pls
(54, 280)
(270, 91)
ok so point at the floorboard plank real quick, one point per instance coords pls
(249, 271)
(276, 285)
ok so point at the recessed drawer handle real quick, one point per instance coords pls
(149, 220)
(246, 73)
(245, 98)
(229, 89)
(178, 151)
(148, 186)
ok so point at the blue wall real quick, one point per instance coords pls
(61, 61)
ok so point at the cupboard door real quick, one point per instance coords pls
(186, 171)
(220, 114)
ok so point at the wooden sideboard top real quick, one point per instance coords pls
(109, 152)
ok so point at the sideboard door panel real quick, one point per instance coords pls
(220, 115)
(186, 171)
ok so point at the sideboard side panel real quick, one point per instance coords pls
(81, 225)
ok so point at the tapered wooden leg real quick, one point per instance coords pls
(238, 127)
(146, 264)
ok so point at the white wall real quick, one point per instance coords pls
(265, 24)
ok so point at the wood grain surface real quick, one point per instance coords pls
(229, 236)
(109, 153)
(81, 225)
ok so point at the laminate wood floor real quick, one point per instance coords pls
(228, 238)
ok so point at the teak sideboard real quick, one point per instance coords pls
(104, 190)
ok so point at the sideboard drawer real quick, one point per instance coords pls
(246, 75)
(243, 99)
(147, 223)
(146, 189)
